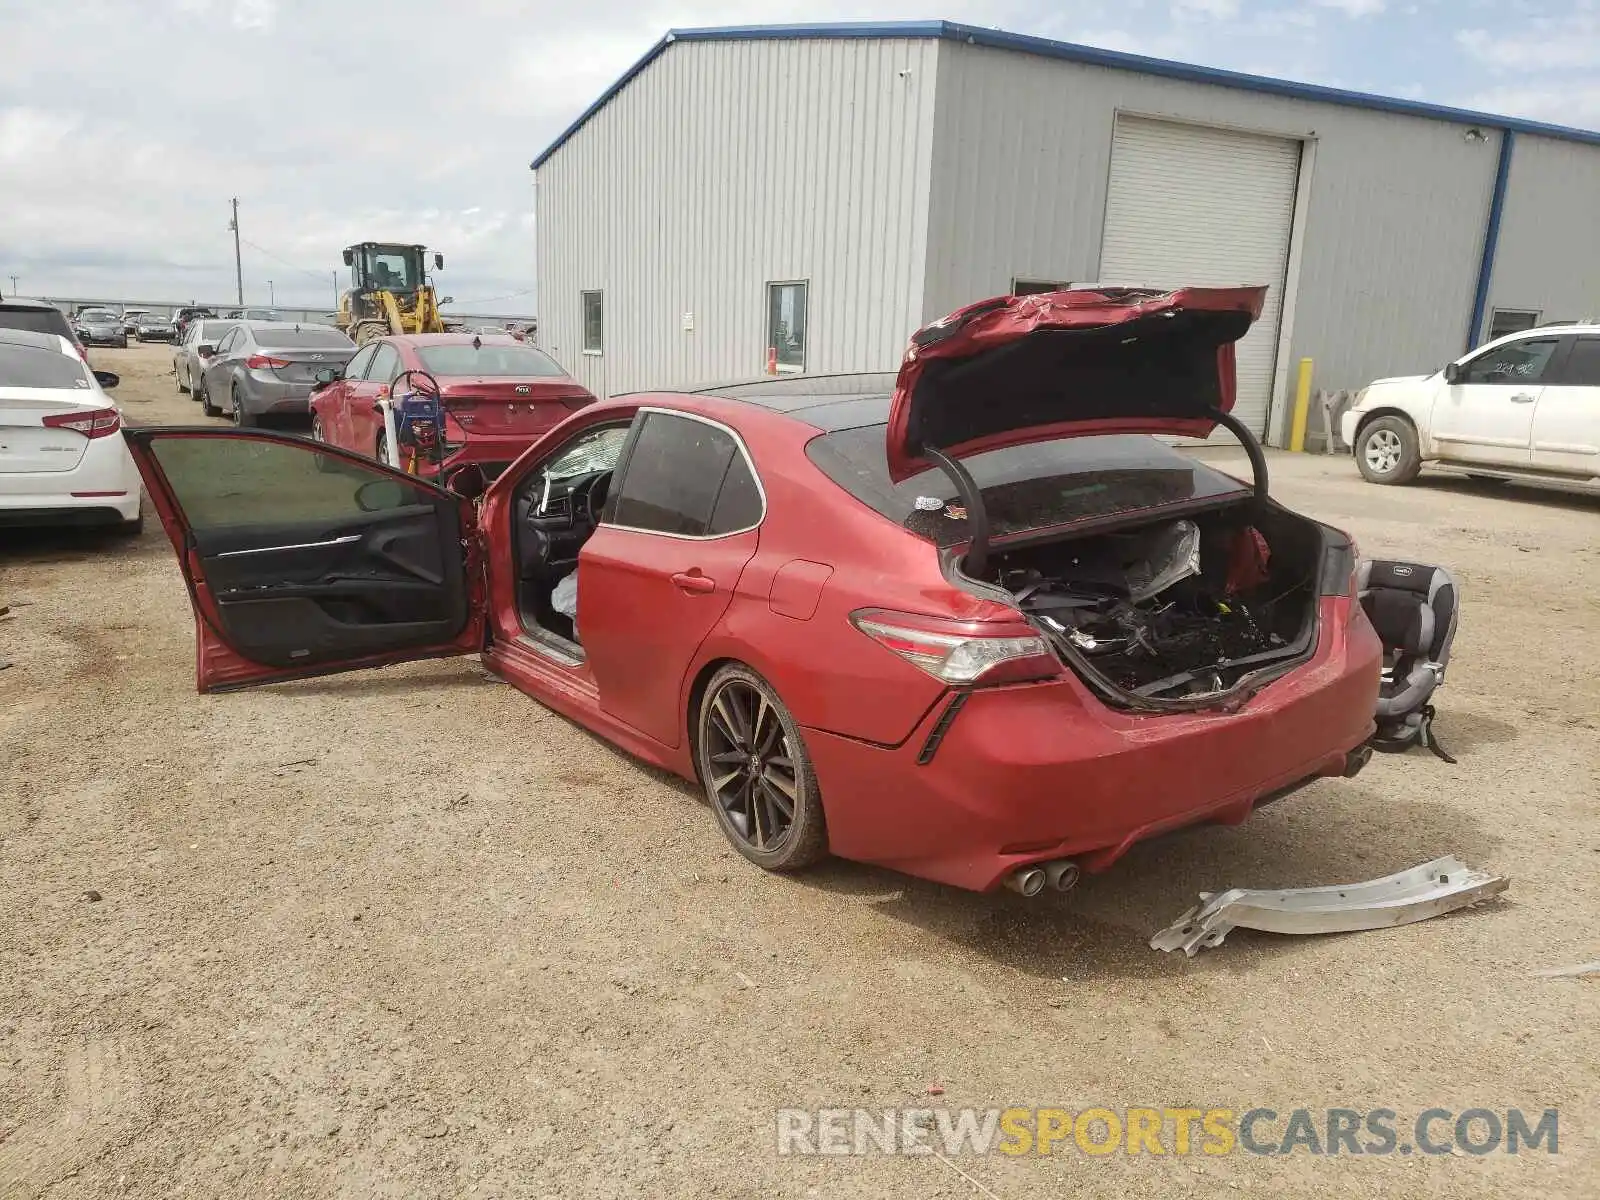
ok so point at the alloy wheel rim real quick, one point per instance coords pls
(1384, 451)
(749, 767)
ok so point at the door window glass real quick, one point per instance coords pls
(786, 326)
(1583, 367)
(230, 481)
(1515, 362)
(357, 367)
(386, 365)
(739, 504)
(673, 475)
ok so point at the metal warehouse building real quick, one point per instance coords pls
(801, 198)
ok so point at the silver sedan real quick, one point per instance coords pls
(267, 368)
(187, 362)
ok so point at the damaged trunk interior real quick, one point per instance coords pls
(1173, 610)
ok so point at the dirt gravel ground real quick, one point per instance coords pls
(406, 933)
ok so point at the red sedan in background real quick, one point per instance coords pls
(499, 395)
(967, 622)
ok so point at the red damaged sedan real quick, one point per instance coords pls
(497, 395)
(970, 622)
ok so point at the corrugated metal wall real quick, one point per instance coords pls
(724, 166)
(1393, 228)
(1548, 258)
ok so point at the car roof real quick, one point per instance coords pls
(250, 323)
(25, 302)
(37, 341)
(828, 402)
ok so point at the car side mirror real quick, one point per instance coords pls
(468, 481)
(328, 375)
(107, 379)
(206, 350)
(438, 262)
(1452, 373)
(380, 495)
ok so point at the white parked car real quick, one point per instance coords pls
(1525, 405)
(63, 460)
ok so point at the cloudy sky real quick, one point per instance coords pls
(126, 125)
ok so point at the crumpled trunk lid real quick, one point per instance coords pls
(1020, 369)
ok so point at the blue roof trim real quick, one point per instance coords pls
(1072, 52)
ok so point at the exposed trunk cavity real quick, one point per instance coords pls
(1175, 614)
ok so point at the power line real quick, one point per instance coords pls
(492, 299)
(283, 262)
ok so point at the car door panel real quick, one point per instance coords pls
(659, 572)
(642, 624)
(1487, 416)
(291, 573)
(1566, 421)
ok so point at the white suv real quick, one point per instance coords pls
(1527, 404)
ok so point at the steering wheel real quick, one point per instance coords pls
(593, 497)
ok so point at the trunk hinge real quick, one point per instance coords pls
(1252, 449)
(977, 555)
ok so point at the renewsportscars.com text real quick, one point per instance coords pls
(1165, 1131)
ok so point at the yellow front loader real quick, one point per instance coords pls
(389, 292)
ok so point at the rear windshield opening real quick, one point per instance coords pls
(489, 361)
(35, 320)
(1024, 488)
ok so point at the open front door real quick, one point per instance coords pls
(306, 560)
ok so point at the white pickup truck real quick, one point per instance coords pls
(1522, 406)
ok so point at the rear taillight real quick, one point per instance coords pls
(260, 362)
(960, 652)
(95, 423)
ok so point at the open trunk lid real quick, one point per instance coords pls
(1020, 369)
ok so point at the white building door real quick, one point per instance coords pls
(1188, 204)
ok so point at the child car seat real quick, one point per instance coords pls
(1413, 607)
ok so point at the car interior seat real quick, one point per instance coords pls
(1414, 608)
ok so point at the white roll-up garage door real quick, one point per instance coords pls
(1189, 204)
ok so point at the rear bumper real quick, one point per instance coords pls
(103, 489)
(270, 396)
(1035, 772)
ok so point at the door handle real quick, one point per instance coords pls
(694, 582)
(1523, 398)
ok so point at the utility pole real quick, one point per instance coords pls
(14, 290)
(238, 262)
(335, 275)
(272, 300)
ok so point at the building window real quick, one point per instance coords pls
(1511, 320)
(1032, 287)
(786, 327)
(594, 323)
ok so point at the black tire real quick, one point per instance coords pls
(130, 529)
(380, 449)
(178, 380)
(325, 463)
(202, 394)
(1387, 452)
(243, 418)
(767, 802)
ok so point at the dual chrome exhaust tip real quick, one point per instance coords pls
(1060, 875)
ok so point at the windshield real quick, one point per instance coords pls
(303, 339)
(96, 314)
(32, 367)
(597, 450)
(1024, 488)
(489, 362)
(393, 270)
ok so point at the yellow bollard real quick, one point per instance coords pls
(1302, 406)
